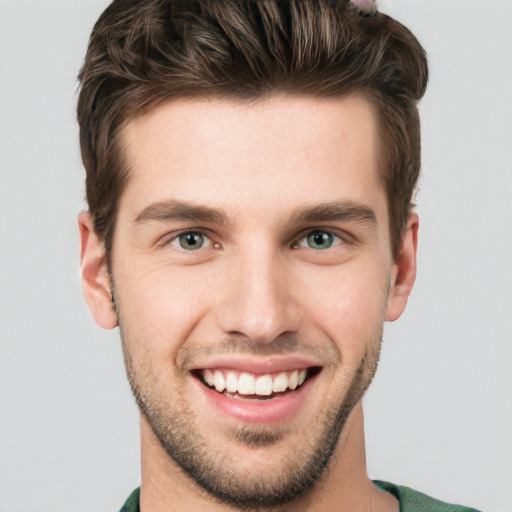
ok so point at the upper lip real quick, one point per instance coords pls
(259, 365)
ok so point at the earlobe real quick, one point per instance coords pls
(95, 278)
(403, 272)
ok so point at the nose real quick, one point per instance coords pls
(257, 299)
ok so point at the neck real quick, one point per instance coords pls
(344, 486)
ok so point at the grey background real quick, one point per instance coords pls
(439, 414)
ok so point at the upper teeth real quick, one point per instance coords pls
(246, 383)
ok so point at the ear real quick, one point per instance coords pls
(95, 278)
(403, 271)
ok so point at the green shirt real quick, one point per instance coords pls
(410, 501)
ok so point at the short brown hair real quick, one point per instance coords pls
(142, 52)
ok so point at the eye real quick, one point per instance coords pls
(191, 241)
(319, 240)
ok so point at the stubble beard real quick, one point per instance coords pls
(216, 471)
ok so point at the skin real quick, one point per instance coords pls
(255, 291)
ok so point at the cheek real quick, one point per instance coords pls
(348, 306)
(160, 307)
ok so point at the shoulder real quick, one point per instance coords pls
(414, 501)
(132, 503)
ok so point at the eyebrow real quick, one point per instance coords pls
(348, 211)
(172, 210)
(169, 210)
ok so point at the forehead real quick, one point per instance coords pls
(266, 156)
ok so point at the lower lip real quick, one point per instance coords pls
(275, 410)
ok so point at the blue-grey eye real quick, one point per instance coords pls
(320, 240)
(191, 241)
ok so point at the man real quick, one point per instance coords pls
(250, 169)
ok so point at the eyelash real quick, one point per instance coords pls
(299, 243)
(175, 240)
(336, 239)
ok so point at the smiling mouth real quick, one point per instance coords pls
(251, 386)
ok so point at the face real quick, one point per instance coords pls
(252, 273)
